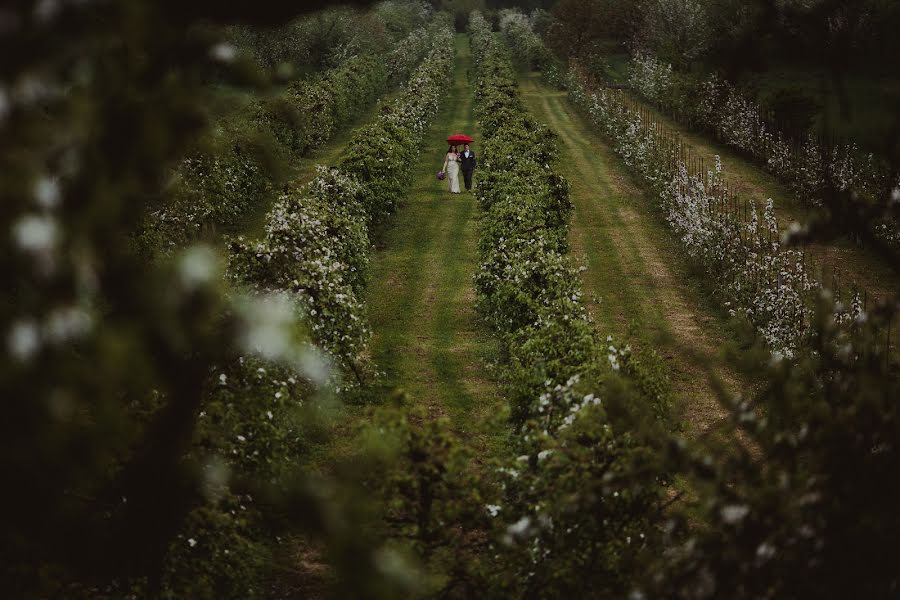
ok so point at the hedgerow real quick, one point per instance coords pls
(808, 167)
(579, 502)
(245, 157)
(317, 237)
(310, 267)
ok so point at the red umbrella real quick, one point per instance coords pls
(459, 139)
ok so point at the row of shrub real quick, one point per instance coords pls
(316, 244)
(306, 278)
(754, 275)
(775, 505)
(527, 46)
(811, 169)
(778, 517)
(569, 508)
(576, 518)
(588, 508)
(246, 157)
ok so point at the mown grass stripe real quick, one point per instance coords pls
(426, 338)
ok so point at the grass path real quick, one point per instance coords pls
(851, 263)
(426, 337)
(639, 287)
(422, 302)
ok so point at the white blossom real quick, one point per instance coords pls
(198, 266)
(23, 340)
(35, 233)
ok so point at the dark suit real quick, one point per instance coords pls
(468, 167)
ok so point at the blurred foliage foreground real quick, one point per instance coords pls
(107, 447)
(107, 356)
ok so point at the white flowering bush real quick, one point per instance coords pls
(213, 189)
(316, 247)
(755, 275)
(526, 45)
(407, 54)
(316, 244)
(809, 169)
(650, 77)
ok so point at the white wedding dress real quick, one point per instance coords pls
(451, 168)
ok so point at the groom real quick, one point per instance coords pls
(468, 166)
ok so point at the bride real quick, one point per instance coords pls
(451, 168)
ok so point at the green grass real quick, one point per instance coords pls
(427, 337)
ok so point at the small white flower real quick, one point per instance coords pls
(765, 551)
(519, 528)
(223, 379)
(192, 542)
(35, 233)
(733, 513)
(223, 52)
(23, 339)
(198, 266)
(67, 323)
(46, 192)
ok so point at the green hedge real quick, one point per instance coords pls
(246, 156)
(313, 263)
(579, 503)
(316, 244)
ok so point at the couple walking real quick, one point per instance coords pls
(453, 162)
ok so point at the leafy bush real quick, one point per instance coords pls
(578, 504)
(330, 37)
(214, 188)
(525, 44)
(316, 245)
(809, 511)
(333, 99)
